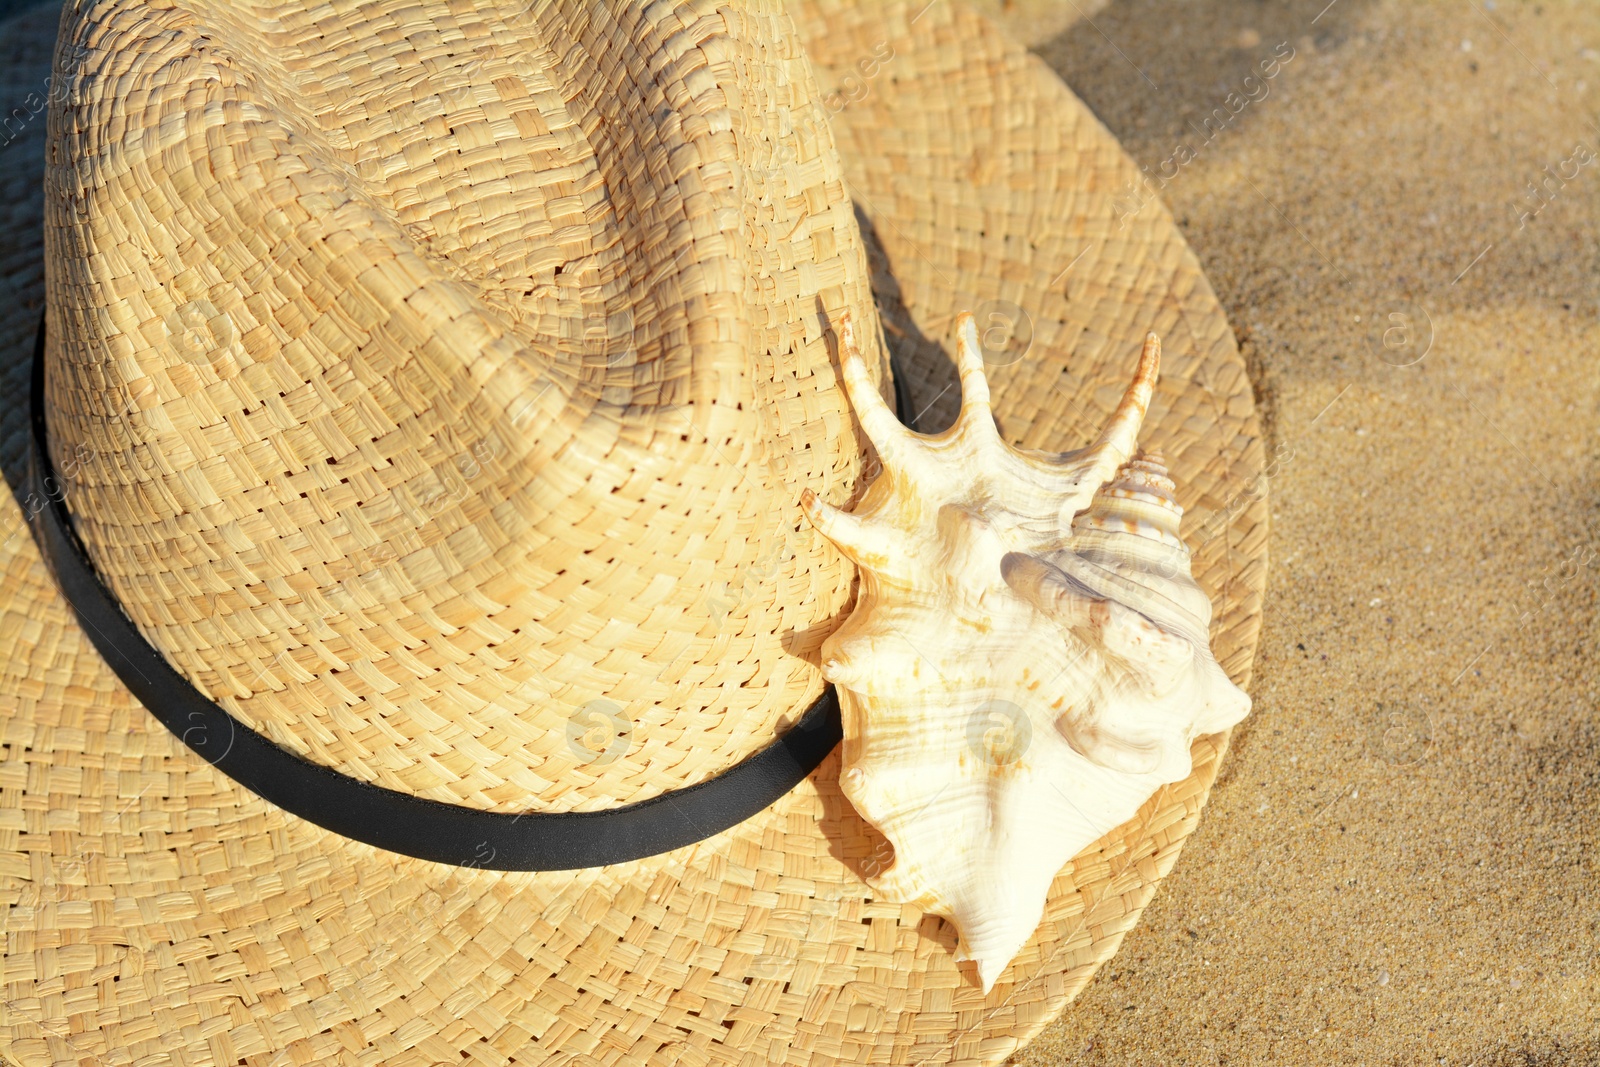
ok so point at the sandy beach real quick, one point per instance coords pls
(1398, 865)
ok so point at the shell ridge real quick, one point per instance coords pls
(1175, 619)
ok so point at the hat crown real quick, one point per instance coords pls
(434, 388)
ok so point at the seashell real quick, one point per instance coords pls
(1028, 659)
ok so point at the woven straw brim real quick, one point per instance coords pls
(156, 913)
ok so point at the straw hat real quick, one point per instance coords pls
(432, 386)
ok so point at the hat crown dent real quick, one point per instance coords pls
(451, 383)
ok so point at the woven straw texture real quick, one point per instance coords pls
(399, 394)
(155, 913)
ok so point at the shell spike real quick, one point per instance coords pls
(839, 669)
(1120, 438)
(989, 972)
(864, 542)
(886, 432)
(974, 382)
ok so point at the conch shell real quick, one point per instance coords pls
(1028, 660)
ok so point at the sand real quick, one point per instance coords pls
(1399, 863)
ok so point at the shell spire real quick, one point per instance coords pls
(1028, 658)
(1120, 438)
(1141, 500)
